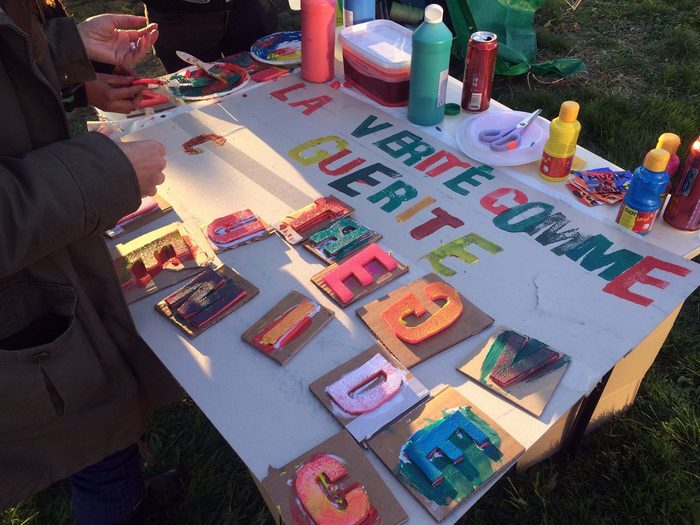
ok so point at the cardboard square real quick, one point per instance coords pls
(363, 426)
(285, 229)
(354, 473)
(288, 350)
(135, 221)
(471, 321)
(139, 279)
(193, 331)
(380, 277)
(268, 230)
(533, 393)
(318, 251)
(461, 479)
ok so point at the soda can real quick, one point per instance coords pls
(478, 71)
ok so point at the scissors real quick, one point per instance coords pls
(507, 138)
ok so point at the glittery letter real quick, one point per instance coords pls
(339, 235)
(395, 199)
(355, 266)
(356, 392)
(319, 154)
(233, 227)
(424, 444)
(315, 487)
(321, 210)
(410, 305)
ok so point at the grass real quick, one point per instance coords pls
(643, 466)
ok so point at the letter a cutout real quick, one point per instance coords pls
(315, 486)
(394, 315)
(345, 391)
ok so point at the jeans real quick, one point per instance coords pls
(107, 492)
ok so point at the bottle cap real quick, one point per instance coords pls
(569, 111)
(657, 160)
(669, 142)
(433, 14)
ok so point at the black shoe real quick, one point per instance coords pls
(160, 490)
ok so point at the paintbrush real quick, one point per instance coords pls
(216, 71)
(155, 82)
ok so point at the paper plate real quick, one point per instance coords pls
(278, 49)
(214, 88)
(531, 143)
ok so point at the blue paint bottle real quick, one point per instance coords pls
(430, 61)
(358, 12)
(643, 199)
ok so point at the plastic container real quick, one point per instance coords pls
(643, 198)
(358, 12)
(377, 60)
(430, 61)
(317, 39)
(683, 210)
(560, 148)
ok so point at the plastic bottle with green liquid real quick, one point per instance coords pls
(430, 62)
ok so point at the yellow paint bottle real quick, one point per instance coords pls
(560, 148)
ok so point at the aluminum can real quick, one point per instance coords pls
(683, 209)
(478, 71)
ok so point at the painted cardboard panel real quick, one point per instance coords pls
(540, 377)
(235, 230)
(350, 375)
(321, 213)
(151, 208)
(376, 273)
(470, 321)
(157, 260)
(325, 244)
(444, 450)
(333, 483)
(192, 331)
(299, 330)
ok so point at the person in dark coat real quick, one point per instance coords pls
(208, 29)
(77, 382)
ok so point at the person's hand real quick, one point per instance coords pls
(114, 93)
(148, 159)
(121, 40)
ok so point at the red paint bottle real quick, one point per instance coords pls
(683, 210)
(317, 40)
(478, 71)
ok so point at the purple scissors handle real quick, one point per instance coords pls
(508, 138)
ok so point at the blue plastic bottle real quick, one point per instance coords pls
(358, 11)
(643, 198)
(430, 62)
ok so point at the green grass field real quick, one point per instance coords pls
(642, 466)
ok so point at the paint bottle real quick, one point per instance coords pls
(560, 148)
(317, 40)
(670, 142)
(430, 61)
(643, 198)
(683, 210)
(358, 12)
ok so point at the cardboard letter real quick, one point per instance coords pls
(394, 315)
(355, 266)
(314, 485)
(345, 391)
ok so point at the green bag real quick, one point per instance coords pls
(513, 22)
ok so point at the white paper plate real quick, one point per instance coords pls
(529, 150)
(245, 77)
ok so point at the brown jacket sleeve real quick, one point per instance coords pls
(58, 194)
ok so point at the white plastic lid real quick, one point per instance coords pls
(381, 42)
(433, 14)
